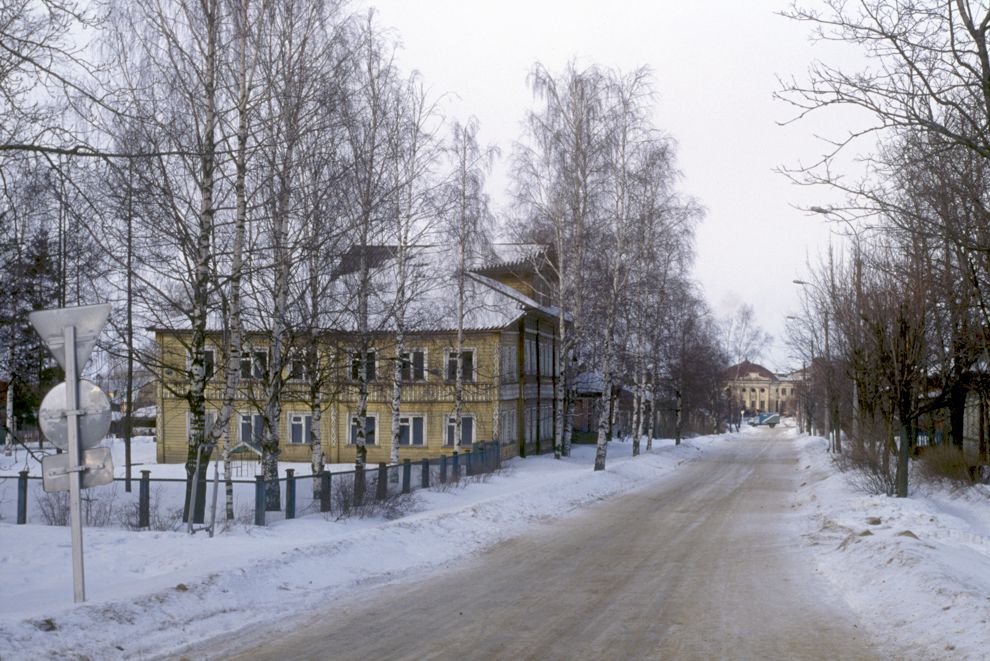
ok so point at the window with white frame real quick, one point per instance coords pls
(300, 425)
(368, 365)
(467, 430)
(467, 365)
(370, 429)
(251, 429)
(412, 430)
(414, 365)
(254, 364)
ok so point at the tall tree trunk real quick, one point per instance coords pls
(653, 409)
(905, 406)
(360, 445)
(314, 370)
(232, 360)
(641, 424)
(196, 394)
(604, 421)
(8, 446)
(563, 342)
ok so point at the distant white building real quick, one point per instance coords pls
(754, 389)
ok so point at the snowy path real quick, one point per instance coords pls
(709, 563)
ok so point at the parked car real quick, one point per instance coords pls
(769, 419)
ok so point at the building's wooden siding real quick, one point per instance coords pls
(496, 388)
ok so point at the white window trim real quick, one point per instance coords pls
(251, 354)
(426, 365)
(474, 428)
(350, 423)
(350, 366)
(425, 428)
(240, 426)
(288, 427)
(474, 363)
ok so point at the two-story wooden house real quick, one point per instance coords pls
(509, 376)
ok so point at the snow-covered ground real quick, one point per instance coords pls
(916, 570)
(921, 576)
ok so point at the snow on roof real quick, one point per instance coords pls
(518, 296)
(516, 253)
(431, 292)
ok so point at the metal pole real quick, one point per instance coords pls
(75, 470)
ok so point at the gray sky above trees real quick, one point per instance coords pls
(715, 65)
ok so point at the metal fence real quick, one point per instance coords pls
(158, 503)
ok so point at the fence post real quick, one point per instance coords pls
(325, 491)
(259, 500)
(290, 493)
(455, 469)
(424, 481)
(482, 459)
(406, 475)
(22, 497)
(469, 463)
(381, 489)
(144, 500)
(443, 469)
(359, 486)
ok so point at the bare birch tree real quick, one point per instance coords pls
(417, 152)
(559, 175)
(469, 222)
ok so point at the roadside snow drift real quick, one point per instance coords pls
(917, 570)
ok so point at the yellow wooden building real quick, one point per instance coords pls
(510, 349)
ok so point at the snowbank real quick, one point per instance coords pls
(917, 570)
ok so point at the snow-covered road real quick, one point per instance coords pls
(708, 563)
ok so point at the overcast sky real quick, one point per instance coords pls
(715, 65)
